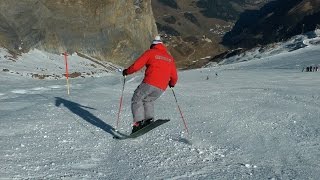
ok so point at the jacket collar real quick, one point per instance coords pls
(159, 47)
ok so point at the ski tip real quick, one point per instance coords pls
(185, 141)
(120, 137)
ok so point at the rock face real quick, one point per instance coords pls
(116, 30)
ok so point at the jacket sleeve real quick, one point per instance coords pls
(173, 75)
(139, 63)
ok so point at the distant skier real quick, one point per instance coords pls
(160, 72)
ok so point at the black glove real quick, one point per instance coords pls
(124, 72)
(170, 85)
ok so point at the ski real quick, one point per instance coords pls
(142, 131)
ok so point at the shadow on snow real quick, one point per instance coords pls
(81, 111)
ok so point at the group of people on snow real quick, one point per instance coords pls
(310, 69)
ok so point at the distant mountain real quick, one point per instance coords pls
(194, 29)
(228, 10)
(200, 30)
(276, 21)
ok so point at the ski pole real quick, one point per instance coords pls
(184, 121)
(120, 106)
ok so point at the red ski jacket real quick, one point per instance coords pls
(160, 67)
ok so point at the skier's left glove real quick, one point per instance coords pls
(124, 72)
(170, 85)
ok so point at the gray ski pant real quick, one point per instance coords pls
(142, 105)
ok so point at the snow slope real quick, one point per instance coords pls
(256, 119)
(42, 65)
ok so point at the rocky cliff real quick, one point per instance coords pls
(116, 30)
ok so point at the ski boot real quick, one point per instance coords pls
(140, 124)
(146, 122)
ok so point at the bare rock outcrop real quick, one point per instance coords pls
(115, 30)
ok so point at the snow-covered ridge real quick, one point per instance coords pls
(43, 65)
(307, 40)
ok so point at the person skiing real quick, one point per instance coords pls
(160, 73)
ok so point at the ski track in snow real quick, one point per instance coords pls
(252, 121)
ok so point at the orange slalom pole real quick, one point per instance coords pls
(67, 71)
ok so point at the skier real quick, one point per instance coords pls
(160, 72)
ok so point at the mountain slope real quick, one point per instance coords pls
(198, 31)
(194, 29)
(276, 21)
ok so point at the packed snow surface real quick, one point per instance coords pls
(257, 119)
